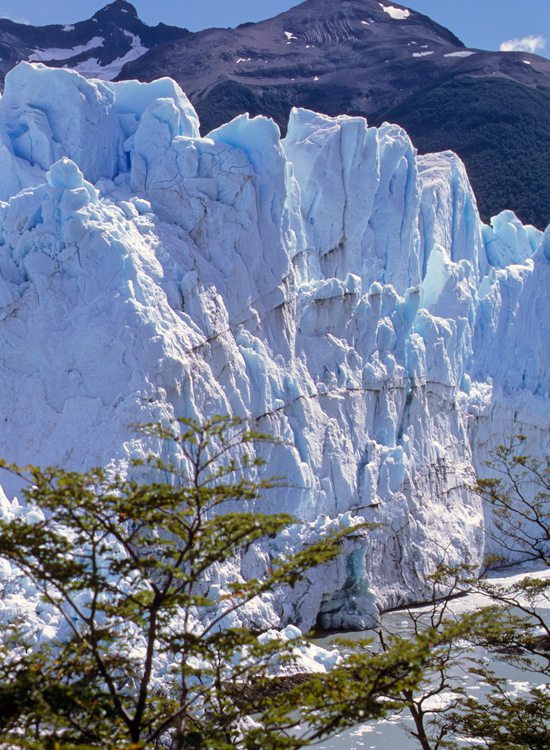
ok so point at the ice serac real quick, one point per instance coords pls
(333, 288)
(45, 115)
(358, 198)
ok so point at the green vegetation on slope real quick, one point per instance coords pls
(500, 129)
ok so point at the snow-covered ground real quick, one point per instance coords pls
(334, 288)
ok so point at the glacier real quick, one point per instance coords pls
(333, 287)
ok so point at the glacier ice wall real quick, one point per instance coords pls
(333, 287)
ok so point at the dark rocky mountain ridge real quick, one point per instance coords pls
(319, 52)
(99, 46)
(357, 57)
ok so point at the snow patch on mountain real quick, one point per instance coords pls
(460, 53)
(398, 14)
(47, 55)
(93, 68)
(333, 287)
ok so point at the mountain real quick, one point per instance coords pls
(98, 48)
(334, 288)
(357, 57)
(338, 57)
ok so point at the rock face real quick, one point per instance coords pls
(98, 47)
(332, 287)
(347, 56)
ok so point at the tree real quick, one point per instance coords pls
(518, 495)
(442, 706)
(514, 626)
(517, 627)
(149, 653)
(440, 691)
(504, 720)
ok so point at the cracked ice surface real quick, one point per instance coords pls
(334, 287)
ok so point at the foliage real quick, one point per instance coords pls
(442, 707)
(506, 721)
(515, 627)
(149, 653)
(424, 703)
(518, 494)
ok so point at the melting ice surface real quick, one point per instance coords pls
(333, 287)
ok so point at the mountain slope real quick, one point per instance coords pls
(310, 52)
(506, 148)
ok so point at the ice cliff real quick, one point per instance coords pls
(333, 287)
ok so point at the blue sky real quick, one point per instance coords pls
(479, 23)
